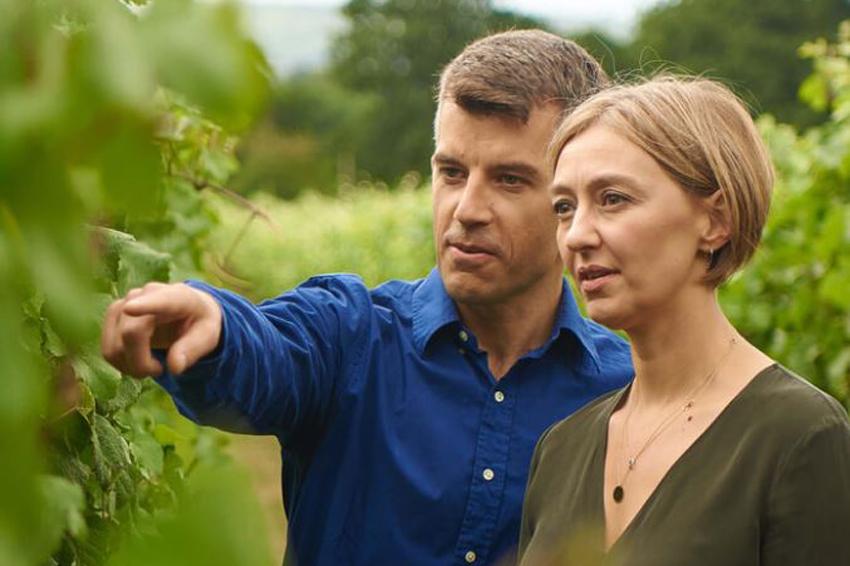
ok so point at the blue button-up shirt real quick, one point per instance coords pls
(398, 445)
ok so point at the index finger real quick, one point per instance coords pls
(166, 302)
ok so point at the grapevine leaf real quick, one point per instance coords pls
(147, 453)
(101, 378)
(139, 264)
(63, 509)
(127, 393)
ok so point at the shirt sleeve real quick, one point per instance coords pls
(278, 366)
(809, 506)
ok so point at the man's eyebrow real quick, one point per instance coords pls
(445, 159)
(518, 168)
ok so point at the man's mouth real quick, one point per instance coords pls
(472, 248)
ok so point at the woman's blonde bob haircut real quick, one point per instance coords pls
(701, 134)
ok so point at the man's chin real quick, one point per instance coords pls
(464, 287)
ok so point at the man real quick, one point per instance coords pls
(408, 413)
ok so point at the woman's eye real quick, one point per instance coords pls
(611, 199)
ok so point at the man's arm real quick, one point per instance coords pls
(272, 368)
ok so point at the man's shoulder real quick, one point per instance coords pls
(396, 290)
(613, 352)
(394, 294)
(606, 338)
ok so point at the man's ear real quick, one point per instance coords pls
(718, 227)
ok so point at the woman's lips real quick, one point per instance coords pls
(593, 278)
(590, 286)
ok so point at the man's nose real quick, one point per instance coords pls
(475, 205)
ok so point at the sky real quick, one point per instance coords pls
(296, 34)
(619, 15)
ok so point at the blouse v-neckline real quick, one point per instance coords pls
(686, 455)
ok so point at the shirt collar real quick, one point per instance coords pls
(571, 320)
(433, 310)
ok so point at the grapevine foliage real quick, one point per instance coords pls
(794, 299)
(103, 135)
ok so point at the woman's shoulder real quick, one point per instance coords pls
(790, 405)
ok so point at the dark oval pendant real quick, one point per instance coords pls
(618, 493)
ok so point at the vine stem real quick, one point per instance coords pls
(242, 231)
(201, 184)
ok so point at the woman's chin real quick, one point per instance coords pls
(611, 318)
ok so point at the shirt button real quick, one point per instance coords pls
(461, 351)
(499, 396)
(463, 335)
(470, 557)
(488, 474)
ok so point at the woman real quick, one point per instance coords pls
(715, 454)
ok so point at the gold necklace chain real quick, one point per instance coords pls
(619, 493)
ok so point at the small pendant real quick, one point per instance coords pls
(618, 494)
(632, 463)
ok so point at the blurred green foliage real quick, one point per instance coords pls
(308, 139)
(794, 300)
(750, 43)
(374, 232)
(88, 136)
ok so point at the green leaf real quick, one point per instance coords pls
(147, 452)
(834, 288)
(111, 454)
(100, 377)
(128, 393)
(815, 92)
(87, 401)
(139, 264)
(63, 510)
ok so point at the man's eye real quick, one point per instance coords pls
(563, 208)
(451, 172)
(511, 180)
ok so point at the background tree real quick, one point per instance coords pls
(308, 138)
(750, 43)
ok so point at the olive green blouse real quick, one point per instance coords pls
(767, 483)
